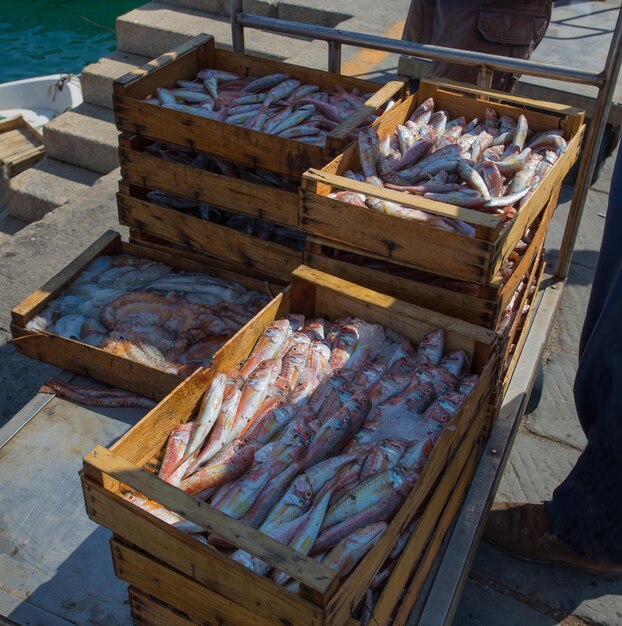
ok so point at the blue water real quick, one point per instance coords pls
(39, 37)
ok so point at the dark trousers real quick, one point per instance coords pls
(586, 510)
(511, 28)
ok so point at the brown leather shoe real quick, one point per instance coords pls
(522, 530)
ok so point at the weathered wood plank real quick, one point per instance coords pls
(261, 201)
(206, 237)
(192, 558)
(147, 611)
(302, 568)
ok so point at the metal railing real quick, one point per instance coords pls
(605, 81)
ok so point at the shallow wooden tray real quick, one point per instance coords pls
(82, 358)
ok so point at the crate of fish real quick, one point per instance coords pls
(209, 180)
(138, 318)
(311, 463)
(484, 305)
(258, 112)
(206, 229)
(447, 181)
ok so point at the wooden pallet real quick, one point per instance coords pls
(195, 234)
(473, 259)
(87, 360)
(226, 587)
(21, 145)
(242, 145)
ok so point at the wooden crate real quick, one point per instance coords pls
(483, 308)
(141, 169)
(21, 145)
(515, 338)
(87, 360)
(228, 591)
(147, 611)
(195, 234)
(473, 259)
(242, 145)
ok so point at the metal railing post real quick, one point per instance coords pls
(334, 57)
(484, 77)
(591, 149)
(237, 28)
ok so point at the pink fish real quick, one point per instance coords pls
(416, 455)
(304, 539)
(368, 493)
(431, 346)
(370, 341)
(382, 457)
(343, 346)
(269, 496)
(239, 498)
(230, 466)
(175, 449)
(379, 512)
(467, 384)
(268, 345)
(388, 386)
(442, 379)
(349, 551)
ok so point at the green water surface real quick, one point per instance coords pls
(39, 37)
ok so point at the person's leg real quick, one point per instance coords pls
(585, 512)
(582, 525)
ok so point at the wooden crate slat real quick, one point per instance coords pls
(147, 611)
(212, 239)
(176, 589)
(261, 201)
(21, 145)
(307, 570)
(445, 523)
(185, 554)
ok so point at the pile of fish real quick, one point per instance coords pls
(276, 104)
(491, 165)
(318, 437)
(147, 312)
(259, 228)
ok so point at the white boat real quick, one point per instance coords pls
(40, 99)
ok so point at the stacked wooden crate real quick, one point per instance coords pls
(467, 268)
(161, 561)
(142, 123)
(174, 578)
